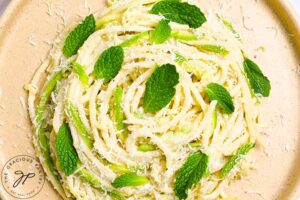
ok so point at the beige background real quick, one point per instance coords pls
(29, 28)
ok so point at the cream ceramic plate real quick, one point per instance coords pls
(28, 27)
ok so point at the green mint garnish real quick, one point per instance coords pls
(160, 88)
(182, 13)
(79, 70)
(109, 63)
(194, 168)
(258, 81)
(161, 33)
(129, 179)
(79, 35)
(213, 48)
(234, 159)
(217, 92)
(66, 153)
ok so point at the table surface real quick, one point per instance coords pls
(295, 3)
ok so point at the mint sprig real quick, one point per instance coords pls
(160, 88)
(66, 153)
(217, 92)
(129, 179)
(109, 63)
(79, 35)
(234, 159)
(190, 173)
(182, 13)
(161, 33)
(258, 81)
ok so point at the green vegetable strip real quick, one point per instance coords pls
(214, 49)
(183, 35)
(83, 77)
(42, 139)
(119, 114)
(146, 147)
(179, 58)
(107, 19)
(45, 96)
(74, 115)
(161, 33)
(234, 159)
(86, 176)
(229, 26)
(129, 179)
(119, 168)
(134, 39)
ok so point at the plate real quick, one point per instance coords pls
(270, 30)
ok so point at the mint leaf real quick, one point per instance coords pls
(217, 92)
(190, 173)
(182, 13)
(258, 81)
(109, 63)
(129, 179)
(160, 88)
(234, 159)
(161, 33)
(66, 153)
(78, 36)
(83, 77)
(213, 48)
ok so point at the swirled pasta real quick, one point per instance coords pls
(115, 148)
